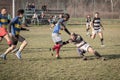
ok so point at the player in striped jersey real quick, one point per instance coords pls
(3, 26)
(96, 28)
(14, 30)
(83, 46)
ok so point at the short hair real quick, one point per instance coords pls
(96, 12)
(20, 11)
(73, 34)
(66, 15)
(3, 8)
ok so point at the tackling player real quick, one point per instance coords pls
(83, 46)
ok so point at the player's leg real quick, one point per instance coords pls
(4, 34)
(3, 56)
(101, 38)
(22, 46)
(98, 56)
(12, 47)
(58, 43)
(9, 42)
(93, 34)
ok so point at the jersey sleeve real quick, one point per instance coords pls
(14, 20)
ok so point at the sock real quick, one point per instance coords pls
(57, 48)
(9, 43)
(97, 54)
(101, 41)
(65, 42)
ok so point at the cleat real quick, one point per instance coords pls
(102, 45)
(102, 58)
(18, 54)
(58, 57)
(3, 56)
(84, 58)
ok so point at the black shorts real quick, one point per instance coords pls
(16, 39)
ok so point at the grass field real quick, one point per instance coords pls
(38, 64)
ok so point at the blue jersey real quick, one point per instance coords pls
(16, 26)
(58, 26)
(3, 21)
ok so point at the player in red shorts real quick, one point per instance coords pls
(3, 26)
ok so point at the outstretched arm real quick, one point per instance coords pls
(65, 29)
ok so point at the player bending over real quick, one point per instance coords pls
(83, 46)
(96, 28)
(60, 25)
(14, 30)
(3, 26)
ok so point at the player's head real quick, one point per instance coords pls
(61, 16)
(73, 35)
(88, 16)
(20, 12)
(66, 16)
(3, 11)
(97, 14)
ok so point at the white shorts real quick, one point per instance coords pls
(85, 47)
(87, 25)
(96, 31)
(56, 37)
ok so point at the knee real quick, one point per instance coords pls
(12, 47)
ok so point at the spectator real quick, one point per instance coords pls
(33, 6)
(44, 7)
(29, 6)
(42, 18)
(35, 18)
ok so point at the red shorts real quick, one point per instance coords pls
(3, 32)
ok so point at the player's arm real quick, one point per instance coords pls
(10, 26)
(65, 29)
(68, 41)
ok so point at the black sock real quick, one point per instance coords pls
(65, 42)
(101, 41)
(97, 54)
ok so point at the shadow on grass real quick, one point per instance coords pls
(108, 57)
(112, 56)
(117, 45)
